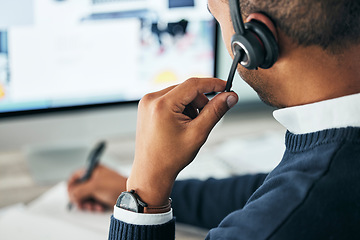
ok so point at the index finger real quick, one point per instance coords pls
(186, 92)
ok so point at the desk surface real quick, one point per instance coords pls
(18, 186)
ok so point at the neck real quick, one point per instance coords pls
(314, 75)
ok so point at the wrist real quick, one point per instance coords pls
(152, 194)
(153, 189)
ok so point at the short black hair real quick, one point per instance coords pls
(331, 24)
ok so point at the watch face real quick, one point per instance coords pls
(127, 201)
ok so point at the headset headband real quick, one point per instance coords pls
(235, 12)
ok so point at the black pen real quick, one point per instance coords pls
(93, 161)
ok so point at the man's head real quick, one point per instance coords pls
(318, 41)
(331, 24)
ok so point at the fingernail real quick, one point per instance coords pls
(231, 101)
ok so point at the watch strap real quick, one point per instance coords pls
(157, 209)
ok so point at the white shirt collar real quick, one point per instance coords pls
(334, 113)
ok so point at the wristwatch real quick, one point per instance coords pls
(132, 202)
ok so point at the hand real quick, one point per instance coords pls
(170, 131)
(99, 192)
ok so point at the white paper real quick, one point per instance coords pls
(53, 204)
(48, 218)
(25, 225)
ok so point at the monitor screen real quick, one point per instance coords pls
(59, 54)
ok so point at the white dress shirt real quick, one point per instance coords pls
(334, 113)
(142, 218)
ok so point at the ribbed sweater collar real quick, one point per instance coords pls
(303, 142)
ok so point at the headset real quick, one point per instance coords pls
(253, 44)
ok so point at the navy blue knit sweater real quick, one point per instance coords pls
(314, 193)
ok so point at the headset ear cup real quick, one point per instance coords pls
(271, 50)
(252, 47)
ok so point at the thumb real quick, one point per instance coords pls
(214, 111)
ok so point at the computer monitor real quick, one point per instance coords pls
(75, 53)
(72, 71)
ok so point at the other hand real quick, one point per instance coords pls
(99, 192)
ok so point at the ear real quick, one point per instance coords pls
(265, 20)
